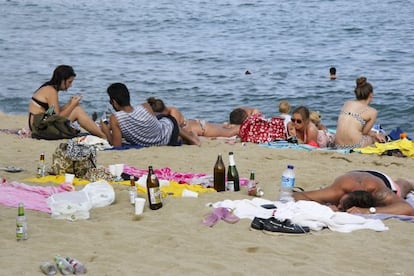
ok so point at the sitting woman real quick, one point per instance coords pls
(46, 96)
(195, 126)
(357, 118)
(302, 127)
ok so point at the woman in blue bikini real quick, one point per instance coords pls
(356, 119)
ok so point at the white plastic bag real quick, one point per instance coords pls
(100, 193)
(70, 205)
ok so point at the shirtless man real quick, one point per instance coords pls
(366, 192)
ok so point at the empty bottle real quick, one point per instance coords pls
(78, 267)
(48, 268)
(63, 265)
(132, 190)
(21, 223)
(219, 175)
(286, 184)
(41, 168)
(153, 190)
(233, 181)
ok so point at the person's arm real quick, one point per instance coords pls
(189, 137)
(67, 109)
(395, 209)
(113, 131)
(147, 106)
(311, 133)
(329, 195)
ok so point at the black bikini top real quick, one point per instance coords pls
(42, 104)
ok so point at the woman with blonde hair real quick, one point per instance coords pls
(356, 119)
(302, 127)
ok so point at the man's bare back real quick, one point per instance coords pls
(338, 195)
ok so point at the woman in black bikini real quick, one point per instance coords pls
(47, 96)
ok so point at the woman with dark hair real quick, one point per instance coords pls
(357, 118)
(46, 96)
(301, 127)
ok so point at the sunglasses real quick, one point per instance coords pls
(299, 121)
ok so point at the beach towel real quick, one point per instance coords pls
(33, 197)
(304, 213)
(404, 145)
(168, 187)
(287, 145)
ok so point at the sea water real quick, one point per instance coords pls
(194, 54)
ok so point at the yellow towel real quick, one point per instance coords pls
(173, 189)
(404, 145)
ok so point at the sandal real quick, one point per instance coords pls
(220, 214)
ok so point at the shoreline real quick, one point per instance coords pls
(173, 240)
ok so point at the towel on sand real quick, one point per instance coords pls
(305, 213)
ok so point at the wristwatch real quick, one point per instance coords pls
(372, 210)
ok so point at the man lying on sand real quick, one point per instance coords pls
(366, 192)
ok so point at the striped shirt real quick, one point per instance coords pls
(140, 127)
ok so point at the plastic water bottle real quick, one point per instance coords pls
(286, 184)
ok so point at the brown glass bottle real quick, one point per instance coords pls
(219, 175)
(153, 190)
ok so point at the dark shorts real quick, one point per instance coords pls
(386, 179)
(175, 135)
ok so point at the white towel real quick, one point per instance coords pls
(305, 213)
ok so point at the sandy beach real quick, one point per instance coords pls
(173, 241)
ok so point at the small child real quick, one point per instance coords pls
(284, 109)
(315, 118)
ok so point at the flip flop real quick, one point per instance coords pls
(11, 169)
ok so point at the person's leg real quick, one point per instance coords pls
(405, 186)
(78, 114)
(189, 137)
(206, 129)
(218, 130)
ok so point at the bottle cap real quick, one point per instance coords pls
(290, 167)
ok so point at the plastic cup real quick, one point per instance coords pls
(119, 169)
(139, 205)
(112, 170)
(69, 178)
(188, 193)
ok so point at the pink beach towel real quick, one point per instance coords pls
(168, 174)
(33, 197)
